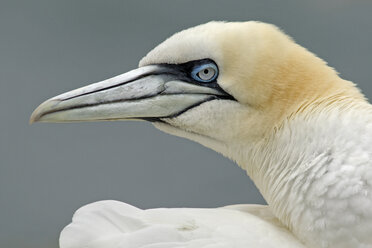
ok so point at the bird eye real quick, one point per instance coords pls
(205, 73)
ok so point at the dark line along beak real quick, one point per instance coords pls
(149, 92)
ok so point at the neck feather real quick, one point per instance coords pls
(315, 172)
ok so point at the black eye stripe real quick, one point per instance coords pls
(183, 71)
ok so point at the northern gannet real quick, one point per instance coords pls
(249, 92)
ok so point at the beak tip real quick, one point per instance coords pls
(35, 116)
(41, 111)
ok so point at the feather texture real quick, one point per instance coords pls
(118, 225)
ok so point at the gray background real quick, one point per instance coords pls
(47, 47)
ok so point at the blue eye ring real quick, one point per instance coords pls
(201, 73)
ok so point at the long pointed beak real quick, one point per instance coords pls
(150, 92)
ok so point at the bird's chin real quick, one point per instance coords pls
(204, 140)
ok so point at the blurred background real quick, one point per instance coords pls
(48, 47)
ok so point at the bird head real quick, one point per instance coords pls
(218, 84)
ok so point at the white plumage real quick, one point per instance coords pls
(116, 224)
(303, 135)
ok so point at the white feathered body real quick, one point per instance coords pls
(118, 225)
